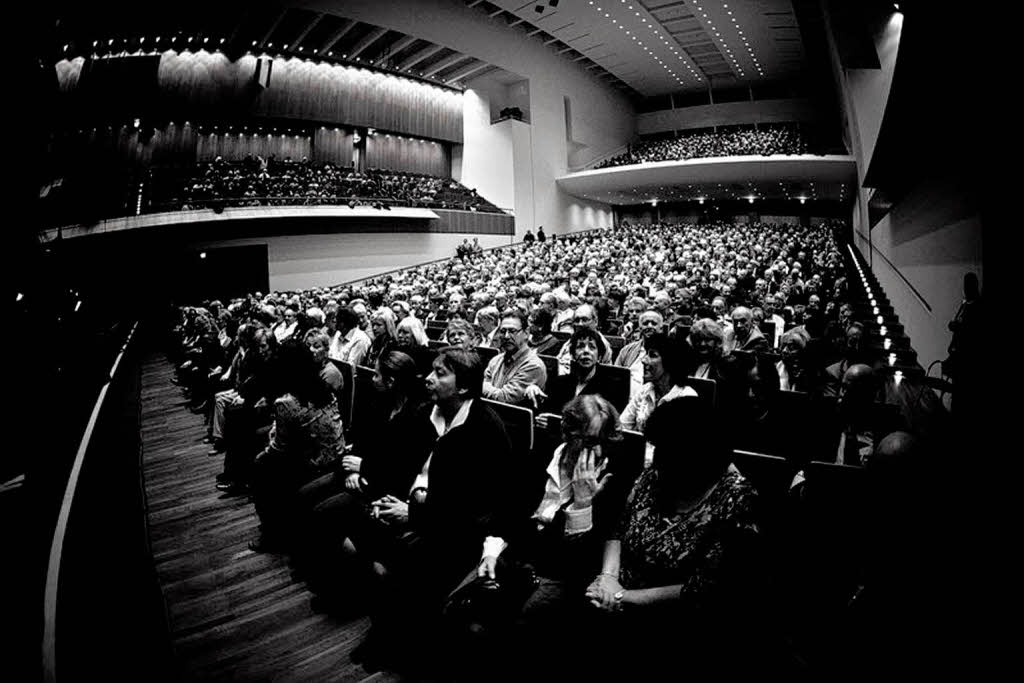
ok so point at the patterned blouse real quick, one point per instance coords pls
(685, 549)
(310, 433)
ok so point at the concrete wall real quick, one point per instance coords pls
(488, 161)
(922, 248)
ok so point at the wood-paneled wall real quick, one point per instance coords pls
(233, 146)
(408, 154)
(209, 86)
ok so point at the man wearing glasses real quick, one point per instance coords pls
(516, 375)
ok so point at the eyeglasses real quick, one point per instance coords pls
(508, 331)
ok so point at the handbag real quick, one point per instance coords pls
(484, 602)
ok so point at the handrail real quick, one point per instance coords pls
(896, 270)
(53, 566)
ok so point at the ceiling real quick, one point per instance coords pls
(642, 47)
(818, 178)
(236, 26)
(665, 46)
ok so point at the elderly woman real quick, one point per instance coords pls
(707, 340)
(586, 375)
(796, 371)
(462, 334)
(677, 574)
(383, 325)
(412, 339)
(574, 510)
(319, 344)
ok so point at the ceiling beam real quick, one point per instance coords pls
(516, 21)
(474, 3)
(273, 27)
(581, 58)
(395, 48)
(535, 31)
(305, 32)
(467, 71)
(367, 40)
(448, 61)
(495, 12)
(414, 59)
(552, 40)
(347, 26)
(566, 49)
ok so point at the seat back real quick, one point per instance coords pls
(616, 343)
(487, 353)
(518, 423)
(767, 328)
(347, 394)
(707, 390)
(435, 333)
(550, 364)
(620, 379)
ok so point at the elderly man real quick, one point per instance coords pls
(584, 316)
(564, 312)
(487, 322)
(745, 335)
(349, 343)
(516, 375)
(632, 355)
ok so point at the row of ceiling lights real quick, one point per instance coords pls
(637, 37)
(205, 40)
(739, 31)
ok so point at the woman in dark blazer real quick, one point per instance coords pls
(586, 375)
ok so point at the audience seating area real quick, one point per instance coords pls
(759, 321)
(765, 140)
(272, 182)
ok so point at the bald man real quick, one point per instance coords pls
(746, 336)
(632, 355)
(863, 422)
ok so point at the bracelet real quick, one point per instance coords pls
(609, 574)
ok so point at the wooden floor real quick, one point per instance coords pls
(233, 614)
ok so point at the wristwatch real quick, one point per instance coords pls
(618, 595)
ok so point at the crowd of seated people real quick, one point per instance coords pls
(766, 141)
(630, 517)
(255, 181)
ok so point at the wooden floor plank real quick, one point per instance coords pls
(233, 614)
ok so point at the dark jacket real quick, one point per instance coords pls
(469, 484)
(394, 449)
(562, 389)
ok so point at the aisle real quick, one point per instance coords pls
(233, 614)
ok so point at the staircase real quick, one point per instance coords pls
(885, 334)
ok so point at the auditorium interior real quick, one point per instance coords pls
(457, 340)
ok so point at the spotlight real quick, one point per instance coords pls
(202, 254)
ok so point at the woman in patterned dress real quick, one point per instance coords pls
(678, 571)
